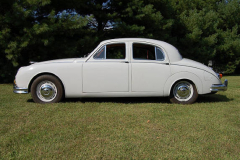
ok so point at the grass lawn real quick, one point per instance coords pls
(123, 128)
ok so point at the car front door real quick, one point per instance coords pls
(107, 70)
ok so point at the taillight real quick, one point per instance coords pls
(220, 76)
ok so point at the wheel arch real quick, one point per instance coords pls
(45, 73)
(188, 80)
(186, 76)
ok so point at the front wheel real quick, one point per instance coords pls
(46, 89)
(183, 92)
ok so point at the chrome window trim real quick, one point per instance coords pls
(97, 52)
(105, 54)
(156, 54)
(154, 49)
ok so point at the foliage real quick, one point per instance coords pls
(32, 31)
(211, 34)
(40, 30)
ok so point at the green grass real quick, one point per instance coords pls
(124, 128)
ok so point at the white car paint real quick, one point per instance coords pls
(89, 77)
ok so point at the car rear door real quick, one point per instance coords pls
(150, 68)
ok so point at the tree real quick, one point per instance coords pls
(39, 30)
(33, 30)
(210, 31)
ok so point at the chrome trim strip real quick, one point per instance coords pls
(219, 87)
(20, 90)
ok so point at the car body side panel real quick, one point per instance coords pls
(120, 94)
(105, 77)
(193, 64)
(69, 73)
(149, 77)
(184, 75)
(202, 79)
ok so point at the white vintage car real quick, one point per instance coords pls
(129, 67)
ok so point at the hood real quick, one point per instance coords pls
(67, 60)
(194, 64)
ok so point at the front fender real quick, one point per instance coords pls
(70, 74)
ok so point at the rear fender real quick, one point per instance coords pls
(182, 76)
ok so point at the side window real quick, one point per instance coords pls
(147, 52)
(159, 54)
(143, 51)
(101, 53)
(111, 51)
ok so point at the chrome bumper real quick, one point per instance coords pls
(219, 87)
(16, 89)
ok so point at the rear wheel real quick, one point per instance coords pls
(46, 89)
(183, 92)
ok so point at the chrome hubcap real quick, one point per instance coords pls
(183, 91)
(46, 91)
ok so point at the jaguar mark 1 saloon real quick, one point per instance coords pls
(126, 67)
